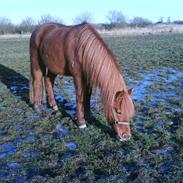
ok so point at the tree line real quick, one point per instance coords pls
(114, 20)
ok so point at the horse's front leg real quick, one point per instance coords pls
(79, 100)
(87, 96)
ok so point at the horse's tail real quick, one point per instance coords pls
(31, 91)
(37, 74)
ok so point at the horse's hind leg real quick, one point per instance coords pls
(49, 82)
(36, 79)
(37, 89)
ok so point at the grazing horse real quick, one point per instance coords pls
(80, 52)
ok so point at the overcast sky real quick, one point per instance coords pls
(16, 10)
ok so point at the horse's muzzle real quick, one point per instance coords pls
(124, 137)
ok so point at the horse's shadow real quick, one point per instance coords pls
(18, 85)
(92, 120)
(15, 82)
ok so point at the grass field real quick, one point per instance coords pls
(50, 148)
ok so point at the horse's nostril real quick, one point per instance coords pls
(125, 136)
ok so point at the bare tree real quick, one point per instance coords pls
(48, 18)
(6, 26)
(116, 18)
(28, 21)
(83, 17)
(160, 21)
(168, 20)
(27, 25)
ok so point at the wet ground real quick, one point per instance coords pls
(50, 148)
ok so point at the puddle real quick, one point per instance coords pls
(15, 176)
(61, 131)
(70, 105)
(19, 127)
(10, 148)
(71, 145)
(132, 171)
(140, 127)
(33, 117)
(59, 98)
(70, 112)
(163, 153)
(11, 169)
(130, 167)
(2, 133)
(68, 90)
(20, 90)
(16, 89)
(7, 149)
(167, 166)
(160, 123)
(66, 155)
(13, 165)
(142, 90)
(156, 79)
(31, 154)
(3, 175)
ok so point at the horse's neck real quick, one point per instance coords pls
(115, 82)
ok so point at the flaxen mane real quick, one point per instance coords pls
(100, 68)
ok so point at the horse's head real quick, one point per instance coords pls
(122, 111)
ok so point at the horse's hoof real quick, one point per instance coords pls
(38, 110)
(82, 126)
(55, 108)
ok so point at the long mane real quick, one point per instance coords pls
(99, 66)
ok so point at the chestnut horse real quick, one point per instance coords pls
(80, 52)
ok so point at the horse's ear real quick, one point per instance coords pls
(117, 101)
(130, 91)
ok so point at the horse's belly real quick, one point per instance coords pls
(53, 55)
(55, 62)
(57, 67)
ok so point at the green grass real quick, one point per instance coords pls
(32, 150)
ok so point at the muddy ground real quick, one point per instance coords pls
(50, 148)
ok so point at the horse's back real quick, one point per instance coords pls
(41, 31)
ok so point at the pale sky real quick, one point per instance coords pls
(17, 10)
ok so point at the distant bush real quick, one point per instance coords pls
(178, 22)
(48, 18)
(6, 26)
(26, 26)
(140, 22)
